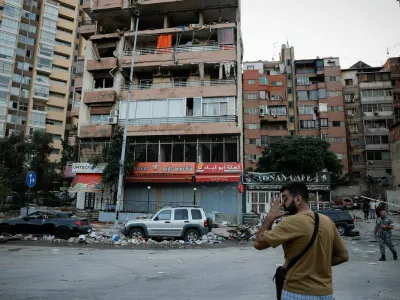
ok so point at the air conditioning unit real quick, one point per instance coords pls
(351, 115)
(112, 120)
(275, 116)
(258, 145)
(376, 112)
(262, 112)
(114, 113)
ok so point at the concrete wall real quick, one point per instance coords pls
(347, 191)
(110, 216)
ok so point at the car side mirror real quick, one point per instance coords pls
(156, 219)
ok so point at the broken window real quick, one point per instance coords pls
(103, 83)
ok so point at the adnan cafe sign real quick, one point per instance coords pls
(273, 181)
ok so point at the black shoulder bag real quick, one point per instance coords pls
(281, 272)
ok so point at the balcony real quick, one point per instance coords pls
(107, 97)
(378, 115)
(86, 6)
(375, 130)
(87, 28)
(100, 6)
(105, 64)
(371, 147)
(182, 120)
(182, 88)
(373, 100)
(75, 112)
(376, 85)
(183, 55)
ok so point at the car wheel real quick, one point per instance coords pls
(136, 233)
(62, 233)
(342, 230)
(210, 224)
(192, 235)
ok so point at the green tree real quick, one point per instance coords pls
(111, 156)
(5, 189)
(69, 152)
(299, 155)
(39, 150)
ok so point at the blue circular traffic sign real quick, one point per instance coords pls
(31, 179)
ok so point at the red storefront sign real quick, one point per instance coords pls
(162, 172)
(218, 172)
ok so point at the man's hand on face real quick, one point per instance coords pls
(275, 211)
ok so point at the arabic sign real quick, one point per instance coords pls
(276, 187)
(164, 168)
(221, 168)
(280, 178)
(218, 178)
(86, 168)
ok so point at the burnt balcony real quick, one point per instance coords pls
(181, 87)
(86, 6)
(184, 55)
(103, 64)
(102, 97)
(101, 6)
(87, 28)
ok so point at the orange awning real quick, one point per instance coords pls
(218, 178)
(170, 178)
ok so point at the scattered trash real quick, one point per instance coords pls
(115, 238)
(82, 238)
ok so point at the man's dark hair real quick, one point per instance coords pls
(296, 188)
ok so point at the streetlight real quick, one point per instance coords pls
(148, 198)
(194, 196)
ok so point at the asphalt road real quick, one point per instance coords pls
(234, 273)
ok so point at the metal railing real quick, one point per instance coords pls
(180, 49)
(178, 84)
(182, 120)
(87, 21)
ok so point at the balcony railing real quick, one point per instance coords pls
(182, 49)
(182, 120)
(178, 84)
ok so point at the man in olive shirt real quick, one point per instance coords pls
(311, 277)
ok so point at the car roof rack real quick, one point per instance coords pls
(175, 206)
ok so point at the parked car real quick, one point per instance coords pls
(61, 225)
(188, 222)
(344, 202)
(342, 219)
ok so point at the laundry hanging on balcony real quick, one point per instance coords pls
(225, 36)
(164, 43)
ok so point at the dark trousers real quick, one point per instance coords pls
(366, 214)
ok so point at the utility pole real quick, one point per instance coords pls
(123, 152)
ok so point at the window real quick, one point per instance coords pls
(38, 108)
(335, 108)
(28, 28)
(351, 112)
(9, 25)
(378, 155)
(63, 43)
(307, 124)
(332, 78)
(349, 97)
(291, 119)
(339, 156)
(302, 95)
(337, 140)
(56, 137)
(303, 80)
(181, 214)
(7, 38)
(11, 11)
(356, 158)
(348, 82)
(23, 106)
(250, 67)
(307, 110)
(263, 80)
(19, 120)
(6, 53)
(290, 90)
(100, 118)
(38, 119)
(277, 110)
(253, 111)
(323, 122)
(5, 67)
(51, 12)
(334, 93)
(62, 56)
(276, 83)
(59, 82)
(5, 81)
(57, 95)
(251, 81)
(355, 142)
(55, 108)
(252, 141)
(325, 137)
(54, 122)
(376, 93)
(336, 123)
(251, 96)
(321, 93)
(253, 126)
(41, 91)
(29, 15)
(196, 214)
(165, 215)
(61, 69)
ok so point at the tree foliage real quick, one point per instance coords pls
(111, 156)
(19, 155)
(69, 152)
(299, 155)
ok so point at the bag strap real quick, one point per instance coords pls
(298, 257)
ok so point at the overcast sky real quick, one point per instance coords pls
(351, 29)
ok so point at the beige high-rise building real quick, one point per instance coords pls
(37, 40)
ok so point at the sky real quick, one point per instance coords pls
(352, 30)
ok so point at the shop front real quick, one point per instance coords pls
(261, 188)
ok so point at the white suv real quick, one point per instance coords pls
(188, 222)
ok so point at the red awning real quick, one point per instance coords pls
(218, 178)
(170, 178)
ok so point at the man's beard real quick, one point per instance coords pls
(292, 209)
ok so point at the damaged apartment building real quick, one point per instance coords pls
(185, 120)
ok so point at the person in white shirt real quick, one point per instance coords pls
(372, 208)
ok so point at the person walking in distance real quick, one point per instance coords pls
(311, 243)
(372, 207)
(366, 209)
(383, 231)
